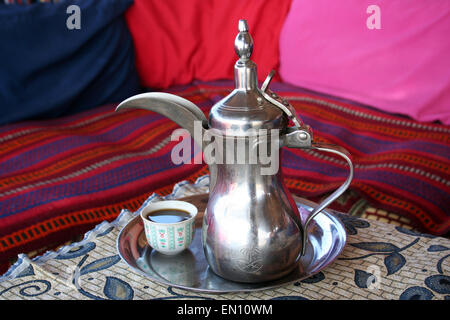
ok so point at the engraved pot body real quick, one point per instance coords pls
(250, 233)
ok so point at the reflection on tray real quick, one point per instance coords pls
(189, 269)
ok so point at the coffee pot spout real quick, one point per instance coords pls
(181, 111)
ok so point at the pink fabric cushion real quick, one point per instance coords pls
(403, 67)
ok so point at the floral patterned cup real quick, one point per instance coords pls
(169, 238)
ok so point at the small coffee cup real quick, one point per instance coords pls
(169, 225)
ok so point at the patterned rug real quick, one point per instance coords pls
(60, 178)
(379, 262)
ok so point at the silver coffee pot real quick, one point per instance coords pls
(252, 229)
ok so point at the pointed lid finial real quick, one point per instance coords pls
(243, 45)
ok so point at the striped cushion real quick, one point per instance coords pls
(59, 178)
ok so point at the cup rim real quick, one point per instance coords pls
(144, 213)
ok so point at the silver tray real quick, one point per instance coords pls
(189, 269)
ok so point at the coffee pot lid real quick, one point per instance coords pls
(246, 107)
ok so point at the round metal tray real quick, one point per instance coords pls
(189, 269)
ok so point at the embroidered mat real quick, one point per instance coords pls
(380, 261)
(60, 178)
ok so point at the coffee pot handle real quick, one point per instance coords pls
(301, 136)
(331, 148)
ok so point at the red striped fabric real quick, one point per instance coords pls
(59, 178)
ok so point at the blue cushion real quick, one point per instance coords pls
(48, 70)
